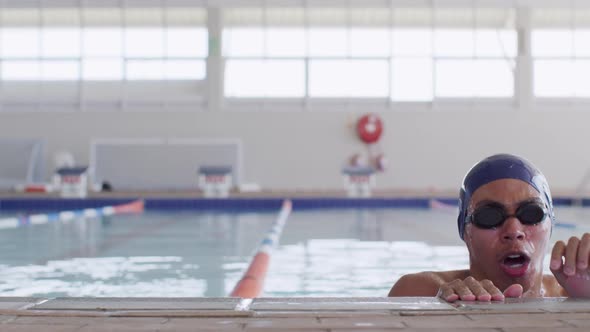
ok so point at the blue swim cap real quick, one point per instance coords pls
(496, 167)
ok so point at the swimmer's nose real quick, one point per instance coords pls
(513, 230)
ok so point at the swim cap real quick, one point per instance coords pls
(496, 167)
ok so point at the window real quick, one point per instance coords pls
(20, 42)
(348, 78)
(369, 53)
(102, 42)
(164, 69)
(560, 47)
(561, 63)
(60, 43)
(412, 79)
(479, 78)
(265, 78)
(152, 44)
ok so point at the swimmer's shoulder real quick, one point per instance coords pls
(425, 283)
(552, 287)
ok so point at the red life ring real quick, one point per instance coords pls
(369, 128)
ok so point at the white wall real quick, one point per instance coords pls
(305, 150)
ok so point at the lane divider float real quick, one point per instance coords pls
(40, 219)
(435, 204)
(252, 282)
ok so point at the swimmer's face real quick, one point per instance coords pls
(511, 252)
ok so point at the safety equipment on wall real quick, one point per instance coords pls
(369, 128)
(357, 160)
(380, 163)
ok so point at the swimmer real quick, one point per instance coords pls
(505, 219)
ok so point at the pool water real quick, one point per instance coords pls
(331, 252)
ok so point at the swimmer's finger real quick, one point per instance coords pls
(556, 263)
(495, 293)
(462, 289)
(583, 252)
(447, 293)
(514, 290)
(571, 256)
(478, 290)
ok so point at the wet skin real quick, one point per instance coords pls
(507, 261)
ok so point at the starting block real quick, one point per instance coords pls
(215, 181)
(72, 181)
(359, 181)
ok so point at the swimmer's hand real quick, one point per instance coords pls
(471, 289)
(569, 264)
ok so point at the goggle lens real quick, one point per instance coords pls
(491, 216)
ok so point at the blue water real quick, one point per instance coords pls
(322, 253)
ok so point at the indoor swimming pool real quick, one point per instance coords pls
(191, 253)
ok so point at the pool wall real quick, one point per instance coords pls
(234, 204)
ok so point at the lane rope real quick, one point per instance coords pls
(137, 206)
(252, 282)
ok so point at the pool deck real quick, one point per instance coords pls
(290, 314)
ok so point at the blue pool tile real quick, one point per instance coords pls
(232, 204)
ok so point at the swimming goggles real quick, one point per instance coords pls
(494, 214)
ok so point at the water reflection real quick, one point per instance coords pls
(109, 276)
(350, 267)
(322, 253)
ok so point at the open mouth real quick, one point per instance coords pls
(515, 264)
(516, 260)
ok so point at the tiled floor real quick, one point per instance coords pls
(290, 314)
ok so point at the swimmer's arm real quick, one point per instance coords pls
(417, 284)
